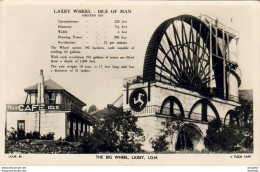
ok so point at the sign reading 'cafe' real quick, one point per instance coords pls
(31, 107)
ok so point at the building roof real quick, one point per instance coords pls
(118, 102)
(48, 85)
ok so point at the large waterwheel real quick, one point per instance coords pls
(184, 51)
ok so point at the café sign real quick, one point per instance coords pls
(31, 107)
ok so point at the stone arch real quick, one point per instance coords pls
(171, 100)
(204, 114)
(232, 118)
(190, 137)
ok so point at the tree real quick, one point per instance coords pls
(233, 137)
(223, 138)
(160, 144)
(116, 131)
(245, 112)
(92, 109)
(164, 142)
(245, 115)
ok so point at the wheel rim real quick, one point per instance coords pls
(178, 54)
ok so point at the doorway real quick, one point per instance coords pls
(20, 128)
(189, 138)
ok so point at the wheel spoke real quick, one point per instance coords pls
(189, 61)
(171, 50)
(183, 54)
(167, 70)
(169, 60)
(180, 47)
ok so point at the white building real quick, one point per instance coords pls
(49, 108)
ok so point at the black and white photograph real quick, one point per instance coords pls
(133, 83)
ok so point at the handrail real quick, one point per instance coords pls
(216, 93)
(235, 32)
(155, 110)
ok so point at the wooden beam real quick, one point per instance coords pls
(216, 30)
(224, 65)
(210, 56)
(127, 92)
(149, 90)
(26, 99)
(228, 59)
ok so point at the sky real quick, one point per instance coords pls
(31, 30)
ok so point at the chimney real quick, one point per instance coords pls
(41, 89)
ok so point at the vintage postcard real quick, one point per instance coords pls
(129, 83)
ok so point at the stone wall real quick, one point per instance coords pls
(160, 91)
(151, 122)
(152, 127)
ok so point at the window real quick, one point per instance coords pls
(171, 106)
(203, 110)
(51, 98)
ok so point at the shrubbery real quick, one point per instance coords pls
(164, 142)
(32, 135)
(222, 138)
(236, 137)
(48, 136)
(117, 132)
(13, 135)
(160, 144)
